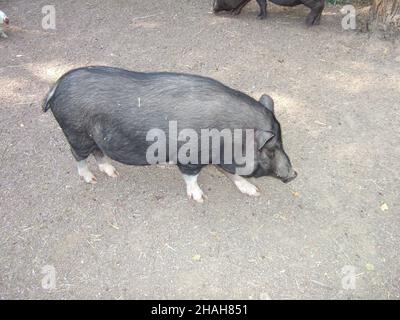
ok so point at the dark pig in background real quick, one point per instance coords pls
(236, 6)
(108, 111)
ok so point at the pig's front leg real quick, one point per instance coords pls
(192, 188)
(263, 9)
(242, 184)
(190, 173)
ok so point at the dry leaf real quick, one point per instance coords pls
(384, 207)
(296, 194)
(196, 257)
(370, 267)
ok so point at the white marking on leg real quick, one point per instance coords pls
(193, 190)
(108, 169)
(247, 188)
(105, 167)
(85, 173)
(243, 185)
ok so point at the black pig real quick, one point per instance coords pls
(235, 6)
(118, 113)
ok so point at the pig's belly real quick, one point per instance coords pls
(128, 155)
(121, 147)
(286, 3)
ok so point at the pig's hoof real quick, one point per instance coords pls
(317, 20)
(236, 12)
(247, 188)
(109, 170)
(89, 177)
(313, 20)
(262, 16)
(196, 194)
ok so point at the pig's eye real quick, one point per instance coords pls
(270, 153)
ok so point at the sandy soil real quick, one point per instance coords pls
(337, 97)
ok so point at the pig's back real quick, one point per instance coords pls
(143, 101)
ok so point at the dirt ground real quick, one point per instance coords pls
(337, 96)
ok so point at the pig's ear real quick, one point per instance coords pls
(267, 102)
(262, 137)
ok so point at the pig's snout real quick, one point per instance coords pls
(6, 21)
(290, 178)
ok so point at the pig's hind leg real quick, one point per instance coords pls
(242, 184)
(81, 148)
(239, 8)
(263, 9)
(316, 6)
(103, 164)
